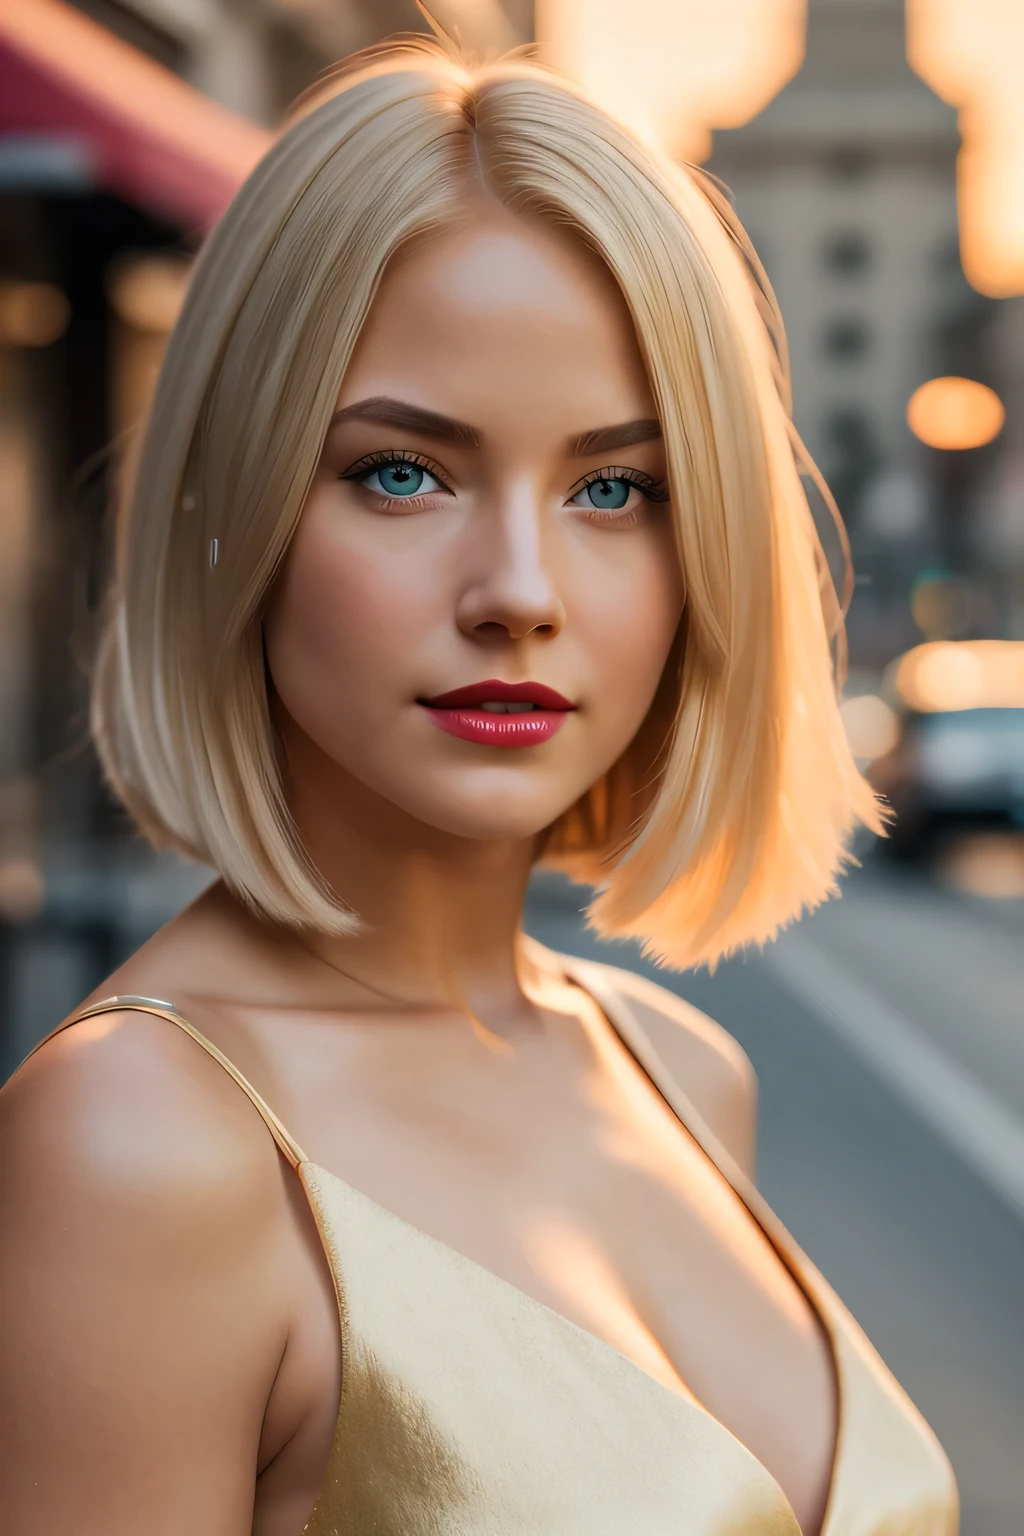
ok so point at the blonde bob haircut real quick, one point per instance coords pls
(741, 817)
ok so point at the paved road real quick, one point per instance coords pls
(925, 1250)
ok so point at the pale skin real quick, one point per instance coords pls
(169, 1325)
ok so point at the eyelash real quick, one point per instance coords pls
(371, 461)
(654, 490)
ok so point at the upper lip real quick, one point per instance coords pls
(496, 692)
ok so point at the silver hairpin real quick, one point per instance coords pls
(213, 553)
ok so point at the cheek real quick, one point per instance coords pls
(629, 621)
(340, 622)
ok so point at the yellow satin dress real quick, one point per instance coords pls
(469, 1409)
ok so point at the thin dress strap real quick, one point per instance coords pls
(594, 981)
(623, 1021)
(161, 1010)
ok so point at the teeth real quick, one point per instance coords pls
(507, 709)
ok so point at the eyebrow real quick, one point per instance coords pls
(415, 418)
(625, 435)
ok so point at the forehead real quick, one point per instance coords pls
(502, 316)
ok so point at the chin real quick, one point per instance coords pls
(489, 817)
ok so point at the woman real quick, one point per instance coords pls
(466, 534)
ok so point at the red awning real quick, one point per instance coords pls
(149, 136)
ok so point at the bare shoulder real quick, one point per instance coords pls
(120, 1134)
(128, 1099)
(708, 1063)
(138, 1204)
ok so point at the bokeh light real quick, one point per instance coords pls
(988, 864)
(965, 674)
(672, 70)
(955, 413)
(969, 52)
(147, 291)
(941, 605)
(22, 889)
(872, 727)
(32, 314)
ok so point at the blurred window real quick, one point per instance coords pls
(847, 164)
(946, 256)
(847, 253)
(848, 433)
(851, 456)
(845, 340)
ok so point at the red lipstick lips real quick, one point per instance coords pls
(498, 714)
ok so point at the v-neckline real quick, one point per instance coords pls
(633, 1039)
(628, 1034)
(681, 1401)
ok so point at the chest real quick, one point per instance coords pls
(571, 1180)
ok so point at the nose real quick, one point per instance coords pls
(511, 593)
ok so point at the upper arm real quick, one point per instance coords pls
(710, 1066)
(139, 1328)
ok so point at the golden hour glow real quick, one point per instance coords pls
(987, 864)
(32, 314)
(955, 413)
(147, 291)
(871, 726)
(583, 1276)
(672, 70)
(964, 674)
(969, 52)
(146, 294)
(22, 889)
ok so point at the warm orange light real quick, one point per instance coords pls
(871, 726)
(987, 864)
(673, 70)
(964, 674)
(146, 294)
(32, 314)
(955, 413)
(22, 889)
(969, 52)
(147, 291)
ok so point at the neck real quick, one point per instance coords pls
(439, 913)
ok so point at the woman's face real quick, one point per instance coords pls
(483, 589)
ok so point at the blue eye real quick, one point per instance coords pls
(399, 479)
(605, 495)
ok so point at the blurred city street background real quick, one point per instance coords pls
(875, 151)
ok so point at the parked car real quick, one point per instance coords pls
(958, 759)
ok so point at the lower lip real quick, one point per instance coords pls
(523, 729)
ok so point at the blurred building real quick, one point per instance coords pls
(846, 183)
